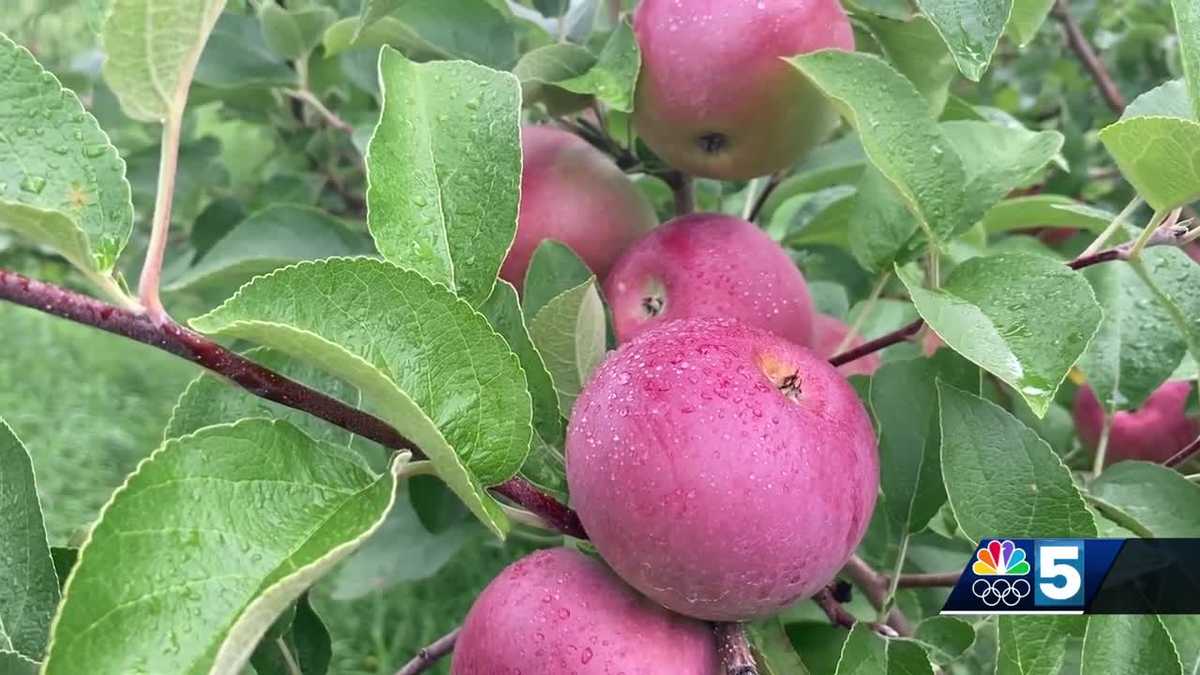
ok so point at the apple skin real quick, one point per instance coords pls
(715, 99)
(559, 611)
(709, 265)
(721, 470)
(828, 334)
(575, 194)
(1152, 433)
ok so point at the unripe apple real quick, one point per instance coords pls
(1152, 433)
(709, 265)
(715, 98)
(558, 611)
(829, 334)
(721, 470)
(575, 194)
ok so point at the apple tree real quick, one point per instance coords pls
(588, 336)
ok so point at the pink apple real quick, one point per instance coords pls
(1152, 433)
(573, 193)
(721, 470)
(709, 265)
(716, 99)
(558, 611)
(829, 336)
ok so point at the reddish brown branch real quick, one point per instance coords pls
(262, 382)
(876, 587)
(1185, 454)
(833, 609)
(868, 348)
(1091, 61)
(937, 580)
(430, 655)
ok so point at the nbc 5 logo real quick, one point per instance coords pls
(1059, 578)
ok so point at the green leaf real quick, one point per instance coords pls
(12, 663)
(823, 217)
(444, 167)
(475, 30)
(881, 225)
(429, 363)
(918, 52)
(897, 132)
(281, 31)
(401, 551)
(62, 183)
(29, 593)
(998, 159)
(1187, 22)
(571, 334)
(237, 58)
(892, 9)
(1045, 211)
(541, 69)
(553, 269)
(503, 310)
(1173, 277)
(946, 637)
(1169, 99)
(614, 76)
(210, 399)
(773, 649)
(1001, 478)
(279, 235)
(863, 653)
(1035, 645)
(906, 657)
(1024, 318)
(152, 47)
(1185, 631)
(1160, 156)
(305, 645)
(1149, 499)
(1129, 645)
(201, 582)
(903, 402)
(1138, 345)
(1027, 18)
(971, 29)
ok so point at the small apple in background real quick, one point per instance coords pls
(829, 334)
(709, 265)
(715, 98)
(559, 611)
(1152, 433)
(721, 470)
(575, 194)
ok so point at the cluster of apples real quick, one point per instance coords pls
(722, 468)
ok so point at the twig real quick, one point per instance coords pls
(936, 580)
(1083, 49)
(174, 339)
(734, 648)
(685, 193)
(161, 221)
(1185, 454)
(875, 586)
(833, 609)
(310, 99)
(772, 184)
(868, 348)
(428, 656)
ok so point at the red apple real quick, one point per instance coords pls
(709, 265)
(716, 99)
(575, 194)
(829, 334)
(1152, 433)
(558, 611)
(721, 470)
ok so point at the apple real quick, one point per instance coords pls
(709, 265)
(828, 336)
(715, 98)
(1152, 433)
(573, 193)
(559, 611)
(720, 469)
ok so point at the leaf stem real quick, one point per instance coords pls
(428, 656)
(892, 584)
(307, 97)
(1102, 446)
(1113, 227)
(1161, 219)
(161, 223)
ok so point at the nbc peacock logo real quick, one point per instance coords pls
(1000, 558)
(995, 564)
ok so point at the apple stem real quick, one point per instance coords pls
(734, 648)
(428, 656)
(772, 184)
(684, 189)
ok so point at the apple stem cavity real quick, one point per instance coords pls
(734, 648)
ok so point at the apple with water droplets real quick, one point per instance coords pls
(573, 193)
(559, 611)
(709, 264)
(829, 340)
(720, 469)
(715, 96)
(1152, 433)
